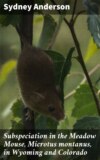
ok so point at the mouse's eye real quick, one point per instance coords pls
(51, 108)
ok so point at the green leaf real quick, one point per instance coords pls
(17, 109)
(91, 6)
(6, 70)
(62, 67)
(6, 20)
(38, 19)
(66, 66)
(58, 60)
(16, 125)
(88, 123)
(93, 19)
(49, 28)
(94, 27)
(64, 124)
(42, 122)
(91, 126)
(65, 71)
(91, 50)
(84, 104)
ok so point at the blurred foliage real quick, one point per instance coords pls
(84, 105)
(6, 70)
(17, 110)
(92, 125)
(48, 31)
(91, 50)
(62, 68)
(93, 19)
(58, 60)
(42, 122)
(5, 20)
(88, 123)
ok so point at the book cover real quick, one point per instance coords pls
(50, 80)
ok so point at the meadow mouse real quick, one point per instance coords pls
(36, 78)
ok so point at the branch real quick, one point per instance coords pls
(77, 15)
(84, 67)
(74, 9)
(25, 28)
(91, 72)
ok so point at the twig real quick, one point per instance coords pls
(53, 2)
(74, 9)
(91, 72)
(77, 15)
(75, 73)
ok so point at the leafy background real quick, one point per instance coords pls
(10, 49)
(78, 100)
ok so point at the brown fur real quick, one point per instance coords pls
(37, 82)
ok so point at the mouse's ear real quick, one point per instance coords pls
(37, 96)
(58, 89)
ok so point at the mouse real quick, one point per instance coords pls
(36, 77)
